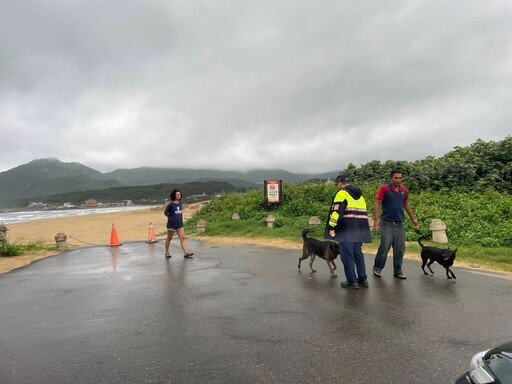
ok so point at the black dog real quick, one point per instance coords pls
(327, 250)
(445, 257)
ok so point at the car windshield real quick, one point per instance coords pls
(501, 366)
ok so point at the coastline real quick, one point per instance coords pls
(8, 217)
(85, 231)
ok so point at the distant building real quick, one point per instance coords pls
(36, 204)
(203, 196)
(91, 203)
(67, 205)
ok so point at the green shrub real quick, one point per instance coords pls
(9, 250)
(472, 218)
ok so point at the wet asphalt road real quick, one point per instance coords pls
(240, 315)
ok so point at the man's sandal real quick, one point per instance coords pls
(376, 273)
(400, 276)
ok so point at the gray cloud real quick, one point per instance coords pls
(306, 86)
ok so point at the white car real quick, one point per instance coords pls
(491, 366)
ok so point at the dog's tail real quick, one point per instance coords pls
(304, 232)
(419, 242)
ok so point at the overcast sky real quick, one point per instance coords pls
(306, 86)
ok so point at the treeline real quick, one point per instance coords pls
(478, 167)
(147, 194)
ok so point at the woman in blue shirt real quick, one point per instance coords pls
(174, 213)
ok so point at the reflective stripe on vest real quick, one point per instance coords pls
(356, 209)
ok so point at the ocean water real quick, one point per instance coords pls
(31, 215)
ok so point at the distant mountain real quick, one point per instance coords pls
(148, 175)
(48, 177)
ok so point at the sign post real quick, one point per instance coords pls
(273, 192)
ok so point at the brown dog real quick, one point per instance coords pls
(445, 257)
(327, 250)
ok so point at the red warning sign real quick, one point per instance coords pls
(273, 191)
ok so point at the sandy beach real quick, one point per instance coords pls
(87, 230)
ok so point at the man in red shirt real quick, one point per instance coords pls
(393, 198)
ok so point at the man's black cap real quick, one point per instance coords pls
(342, 178)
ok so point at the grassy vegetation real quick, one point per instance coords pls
(9, 250)
(478, 224)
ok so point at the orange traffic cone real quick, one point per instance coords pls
(151, 235)
(114, 240)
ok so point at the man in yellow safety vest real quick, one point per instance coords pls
(348, 224)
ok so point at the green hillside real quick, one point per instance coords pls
(46, 177)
